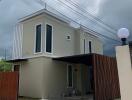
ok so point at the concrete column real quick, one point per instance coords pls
(124, 71)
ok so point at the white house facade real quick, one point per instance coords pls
(42, 36)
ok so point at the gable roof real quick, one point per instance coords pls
(62, 18)
(44, 11)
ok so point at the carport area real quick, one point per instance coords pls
(101, 72)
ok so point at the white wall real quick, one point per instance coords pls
(24, 38)
(61, 46)
(124, 71)
(31, 78)
(96, 43)
(41, 77)
(29, 29)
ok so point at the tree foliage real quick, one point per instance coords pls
(5, 66)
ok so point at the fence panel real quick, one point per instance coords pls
(106, 81)
(9, 85)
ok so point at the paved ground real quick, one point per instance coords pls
(68, 98)
(27, 99)
(57, 99)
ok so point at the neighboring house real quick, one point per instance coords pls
(38, 39)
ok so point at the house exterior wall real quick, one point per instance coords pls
(41, 77)
(28, 43)
(77, 48)
(31, 78)
(97, 46)
(44, 78)
(60, 29)
(60, 45)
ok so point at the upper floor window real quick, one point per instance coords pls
(38, 39)
(87, 46)
(90, 47)
(49, 38)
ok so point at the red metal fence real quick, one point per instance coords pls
(106, 79)
(9, 85)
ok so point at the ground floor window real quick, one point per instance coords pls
(69, 75)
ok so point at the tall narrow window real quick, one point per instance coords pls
(48, 38)
(84, 46)
(38, 39)
(90, 47)
(69, 76)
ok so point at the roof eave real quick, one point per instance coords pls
(44, 11)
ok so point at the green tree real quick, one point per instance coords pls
(5, 66)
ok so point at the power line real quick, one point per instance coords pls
(86, 17)
(80, 4)
(92, 31)
(96, 33)
(94, 17)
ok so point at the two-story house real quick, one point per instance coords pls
(38, 39)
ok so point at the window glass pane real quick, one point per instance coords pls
(90, 47)
(48, 38)
(84, 46)
(38, 38)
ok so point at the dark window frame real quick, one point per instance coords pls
(38, 38)
(69, 78)
(90, 46)
(49, 38)
(84, 43)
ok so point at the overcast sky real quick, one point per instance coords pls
(115, 13)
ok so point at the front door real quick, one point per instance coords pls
(69, 76)
(89, 80)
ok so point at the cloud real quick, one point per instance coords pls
(10, 12)
(116, 13)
